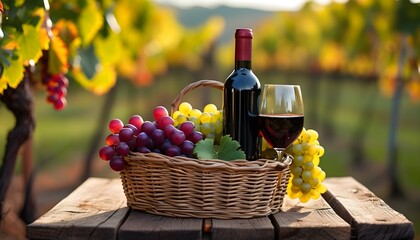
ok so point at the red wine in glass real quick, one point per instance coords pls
(280, 130)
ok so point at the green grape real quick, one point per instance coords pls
(211, 136)
(308, 166)
(314, 182)
(205, 117)
(210, 108)
(306, 176)
(297, 149)
(296, 171)
(218, 127)
(298, 160)
(205, 128)
(185, 108)
(214, 118)
(195, 113)
(307, 158)
(297, 181)
(176, 114)
(314, 194)
(180, 119)
(305, 187)
(305, 197)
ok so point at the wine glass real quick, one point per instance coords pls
(281, 117)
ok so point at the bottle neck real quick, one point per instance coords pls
(243, 52)
(243, 64)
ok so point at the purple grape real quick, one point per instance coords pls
(169, 130)
(132, 144)
(165, 121)
(136, 131)
(112, 139)
(136, 120)
(142, 139)
(126, 134)
(173, 151)
(195, 137)
(165, 145)
(157, 136)
(143, 150)
(150, 144)
(187, 148)
(107, 153)
(115, 125)
(187, 127)
(117, 163)
(156, 150)
(148, 127)
(122, 149)
(178, 137)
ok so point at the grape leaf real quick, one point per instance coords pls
(29, 44)
(228, 149)
(204, 149)
(90, 22)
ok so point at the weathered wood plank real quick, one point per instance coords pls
(311, 220)
(145, 226)
(246, 229)
(370, 216)
(94, 210)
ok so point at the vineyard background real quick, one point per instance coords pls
(358, 71)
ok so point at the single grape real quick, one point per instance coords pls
(296, 171)
(180, 119)
(185, 108)
(178, 137)
(148, 127)
(306, 176)
(313, 133)
(195, 137)
(112, 139)
(305, 187)
(122, 149)
(169, 130)
(142, 139)
(132, 144)
(218, 127)
(176, 114)
(173, 151)
(205, 117)
(165, 145)
(62, 81)
(210, 108)
(205, 128)
(157, 136)
(60, 91)
(150, 144)
(308, 166)
(159, 112)
(136, 131)
(195, 113)
(165, 121)
(106, 153)
(143, 149)
(117, 163)
(298, 160)
(187, 148)
(297, 181)
(60, 103)
(52, 98)
(187, 127)
(126, 134)
(115, 125)
(136, 120)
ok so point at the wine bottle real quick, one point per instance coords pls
(241, 97)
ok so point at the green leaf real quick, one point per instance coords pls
(90, 22)
(228, 149)
(12, 74)
(204, 149)
(29, 45)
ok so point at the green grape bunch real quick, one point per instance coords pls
(208, 122)
(306, 176)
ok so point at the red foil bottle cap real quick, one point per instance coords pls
(243, 44)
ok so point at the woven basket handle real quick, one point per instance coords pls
(192, 86)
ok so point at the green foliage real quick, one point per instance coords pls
(228, 149)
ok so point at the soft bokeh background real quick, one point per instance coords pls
(345, 56)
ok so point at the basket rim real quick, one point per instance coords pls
(234, 165)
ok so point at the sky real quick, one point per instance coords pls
(271, 5)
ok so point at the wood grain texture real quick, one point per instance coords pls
(247, 229)
(95, 210)
(145, 226)
(370, 216)
(312, 220)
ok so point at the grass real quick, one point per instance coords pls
(335, 110)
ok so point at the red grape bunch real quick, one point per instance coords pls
(57, 90)
(160, 136)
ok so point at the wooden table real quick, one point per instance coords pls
(97, 210)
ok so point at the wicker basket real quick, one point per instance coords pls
(187, 187)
